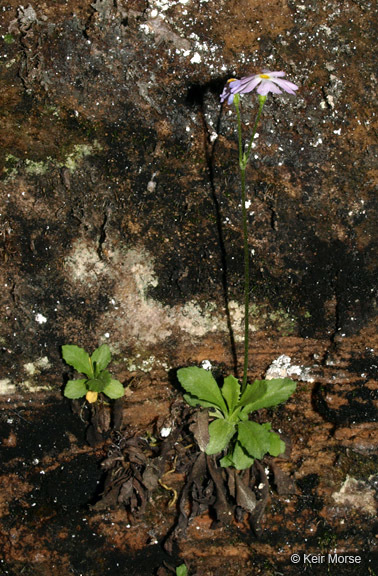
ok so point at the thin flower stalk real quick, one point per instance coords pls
(243, 161)
(263, 83)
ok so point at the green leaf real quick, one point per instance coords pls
(105, 377)
(236, 416)
(277, 391)
(231, 392)
(101, 358)
(181, 570)
(277, 446)
(241, 460)
(226, 461)
(221, 433)
(8, 38)
(238, 459)
(193, 401)
(114, 389)
(78, 358)
(95, 385)
(75, 389)
(253, 392)
(200, 383)
(254, 438)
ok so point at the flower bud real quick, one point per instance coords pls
(91, 396)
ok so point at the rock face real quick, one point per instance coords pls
(120, 216)
(120, 198)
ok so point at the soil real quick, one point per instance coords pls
(54, 515)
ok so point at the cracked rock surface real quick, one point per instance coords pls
(120, 223)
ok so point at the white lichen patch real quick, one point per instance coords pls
(357, 494)
(283, 368)
(34, 386)
(144, 275)
(198, 320)
(138, 363)
(237, 319)
(165, 431)
(196, 58)
(35, 368)
(148, 320)
(83, 263)
(7, 386)
(37, 168)
(79, 152)
(72, 160)
(145, 319)
(33, 371)
(10, 169)
(135, 313)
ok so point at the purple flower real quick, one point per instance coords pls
(264, 83)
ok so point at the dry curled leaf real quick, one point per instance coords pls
(200, 429)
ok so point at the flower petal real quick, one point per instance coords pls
(274, 74)
(266, 87)
(264, 83)
(226, 95)
(286, 85)
(247, 84)
(233, 86)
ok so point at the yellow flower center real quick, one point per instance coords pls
(265, 76)
(91, 396)
(231, 80)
